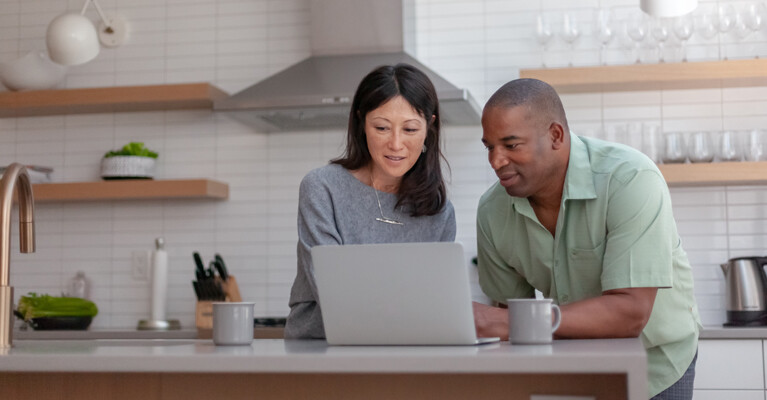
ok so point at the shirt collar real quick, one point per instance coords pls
(579, 181)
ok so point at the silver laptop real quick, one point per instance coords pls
(395, 294)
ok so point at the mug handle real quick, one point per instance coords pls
(557, 317)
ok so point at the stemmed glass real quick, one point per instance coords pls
(543, 34)
(724, 21)
(741, 31)
(754, 17)
(604, 30)
(705, 26)
(660, 31)
(636, 29)
(570, 32)
(683, 28)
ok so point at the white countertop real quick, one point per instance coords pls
(277, 355)
(615, 356)
(724, 332)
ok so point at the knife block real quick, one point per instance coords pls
(204, 311)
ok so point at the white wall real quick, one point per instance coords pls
(476, 44)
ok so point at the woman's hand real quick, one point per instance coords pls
(491, 321)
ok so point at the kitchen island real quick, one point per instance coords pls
(276, 368)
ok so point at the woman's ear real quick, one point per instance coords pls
(433, 118)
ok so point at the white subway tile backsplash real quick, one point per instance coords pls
(478, 45)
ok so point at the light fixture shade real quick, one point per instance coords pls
(72, 40)
(667, 8)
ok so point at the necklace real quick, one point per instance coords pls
(383, 218)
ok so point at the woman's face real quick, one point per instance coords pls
(395, 134)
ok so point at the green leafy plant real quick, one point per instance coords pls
(35, 306)
(132, 149)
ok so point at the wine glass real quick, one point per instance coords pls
(741, 30)
(754, 17)
(683, 28)
(705, 26)
(660, 31)
(543, 34)
(570, 32)
(724, 21)
(636, 29)
(604, 30)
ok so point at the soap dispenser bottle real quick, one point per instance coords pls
(79, 286)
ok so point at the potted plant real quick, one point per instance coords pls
(133, 161)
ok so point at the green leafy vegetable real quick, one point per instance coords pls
(132, 149)
(34, 306)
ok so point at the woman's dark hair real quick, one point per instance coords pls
(422, 190)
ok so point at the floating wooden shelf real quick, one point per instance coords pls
(137, 189)
(687, 75)
(112, 99)
(715, 174)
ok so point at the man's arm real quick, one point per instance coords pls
(615, 314)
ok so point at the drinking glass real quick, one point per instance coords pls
(604, 30)
(543, 34)
(755, 145)
(700, 148)
(704, 25)
(728, 146)
(570, 33)
(660, 31)
(636, 29)
(683, 28)
(674, 148)
(754, 16)
(724, 21)
(651, 142)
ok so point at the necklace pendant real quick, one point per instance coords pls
(389, 221)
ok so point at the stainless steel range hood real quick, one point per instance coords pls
(349, 39)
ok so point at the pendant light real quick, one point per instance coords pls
(667, 8)
(72, 39)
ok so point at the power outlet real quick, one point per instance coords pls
(141, 261)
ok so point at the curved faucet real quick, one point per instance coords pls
(15, 176)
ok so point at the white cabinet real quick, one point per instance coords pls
(730, 364)
(728, 394)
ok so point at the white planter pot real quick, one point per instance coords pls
(127, 167)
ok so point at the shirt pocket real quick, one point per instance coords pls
(587, 257)
(586, 268)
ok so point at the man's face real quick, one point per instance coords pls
(519, 149)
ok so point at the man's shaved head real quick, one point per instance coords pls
(540, 99)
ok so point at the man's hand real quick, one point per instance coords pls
(491, 321)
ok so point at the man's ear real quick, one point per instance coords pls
(557, 134)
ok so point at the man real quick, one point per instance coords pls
(589, 224)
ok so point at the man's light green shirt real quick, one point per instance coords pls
(615, 230)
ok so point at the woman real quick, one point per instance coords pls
(386, 188)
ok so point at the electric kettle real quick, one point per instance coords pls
(746, 289)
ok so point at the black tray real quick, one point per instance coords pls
(60, 323)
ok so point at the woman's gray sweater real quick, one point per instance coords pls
(336, 208)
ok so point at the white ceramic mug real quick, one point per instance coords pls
(233, 323)
(530, 320)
